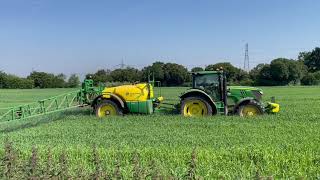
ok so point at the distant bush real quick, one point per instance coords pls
(246, 82)
(9, 81)
(311, 79)
(48, 80)
(73, 81)
(38, 80)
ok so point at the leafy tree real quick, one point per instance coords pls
(312, 60)
(279, 70)
(303, 56)
(265, 72)
(15, 82)
(156, 70)
(42, 79)
(175, 74)
(297, 70)
(242, 76)
(73, 81)
(102, 76)
(169, 74)
(26, 83)
(255, 72)
(286, 71)
(2, 79)
(197, 69)
(226, 66)
(126, 75)
(310, 79)
(59, 81)
(317, 75)
(47, 80)
(234, 75)
(263, 76)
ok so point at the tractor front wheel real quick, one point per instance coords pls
(195, 107)
(250, 109)
(108, 108)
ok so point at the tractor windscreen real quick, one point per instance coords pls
(206, 80)
(209, 83)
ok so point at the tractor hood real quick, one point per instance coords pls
(244, 88)
(240, 92)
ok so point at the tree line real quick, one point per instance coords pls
(38, 80)
(304, 70)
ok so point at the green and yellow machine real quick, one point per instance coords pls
(208, 96)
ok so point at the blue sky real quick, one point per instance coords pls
(78, 36)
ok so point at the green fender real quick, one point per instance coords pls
(201, 93)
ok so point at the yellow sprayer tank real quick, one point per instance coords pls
(134, 92)
(138, 97)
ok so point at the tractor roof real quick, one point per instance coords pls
(206, 72)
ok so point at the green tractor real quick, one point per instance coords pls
(210, 95)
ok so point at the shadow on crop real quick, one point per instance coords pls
(18, 125)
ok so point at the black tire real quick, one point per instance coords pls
(188, 99)
(117, 110)
(252, 104)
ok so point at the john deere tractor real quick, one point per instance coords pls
(210, 95)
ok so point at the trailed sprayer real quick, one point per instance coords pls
(208, 96)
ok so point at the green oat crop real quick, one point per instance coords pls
(75, 143)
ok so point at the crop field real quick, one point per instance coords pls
(77, 144)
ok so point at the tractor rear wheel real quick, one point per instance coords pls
(250, 109)
(195, 107)
(108, 108)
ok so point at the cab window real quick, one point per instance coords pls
(206, 80)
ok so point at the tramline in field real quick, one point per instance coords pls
(208, 96)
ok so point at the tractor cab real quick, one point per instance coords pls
(209, 82)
